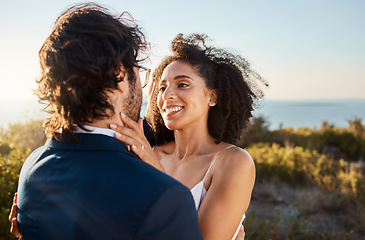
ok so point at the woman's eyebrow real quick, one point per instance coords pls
(177, 78)
(182, 76)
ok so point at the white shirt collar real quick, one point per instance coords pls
(95, 130)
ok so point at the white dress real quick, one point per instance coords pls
(199, 191)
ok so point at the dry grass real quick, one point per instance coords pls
(285, 211)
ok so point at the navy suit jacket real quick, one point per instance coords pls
(97, 189)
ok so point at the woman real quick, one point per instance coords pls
(201, 100)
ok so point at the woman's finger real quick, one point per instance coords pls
(127, 140)
(131, 133)
(14, 229)
(140, 124)
(14, 208)
(140, 151)
(130, 123)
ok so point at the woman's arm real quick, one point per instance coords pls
(228, 195)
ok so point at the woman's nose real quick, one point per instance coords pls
(169, 93)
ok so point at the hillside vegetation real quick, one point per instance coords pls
(310, 182)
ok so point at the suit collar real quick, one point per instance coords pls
(89, 142)
(95, 130)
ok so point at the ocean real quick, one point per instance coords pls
(311, 113)
(278, 113)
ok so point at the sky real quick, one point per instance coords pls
(313, 49)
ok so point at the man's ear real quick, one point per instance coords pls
(123, 79)
(124, 83)
(213, 98)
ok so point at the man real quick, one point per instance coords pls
(83, 183)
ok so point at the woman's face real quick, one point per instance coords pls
(183, 97)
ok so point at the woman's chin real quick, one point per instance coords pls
(171, 126)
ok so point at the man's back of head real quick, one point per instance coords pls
(81, 61)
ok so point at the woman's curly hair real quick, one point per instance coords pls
(237, 85)
(80, 62)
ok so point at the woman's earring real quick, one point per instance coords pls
(213, 99)
(212, 102)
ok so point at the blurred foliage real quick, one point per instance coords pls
(16, 143)
(302, 166)
(10, 166)
(329, 158)
(346, 143)
(28, 136)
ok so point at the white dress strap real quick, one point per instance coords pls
(214, 158)
(199, 191)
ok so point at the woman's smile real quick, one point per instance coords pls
(171, 110)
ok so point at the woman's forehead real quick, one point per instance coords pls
(177, 68)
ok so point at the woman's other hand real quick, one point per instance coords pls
(149, 114)
(14, 229)
(133, 136)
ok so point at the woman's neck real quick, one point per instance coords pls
(193, 141)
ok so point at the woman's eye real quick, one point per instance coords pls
(182, 84)
(162, 88)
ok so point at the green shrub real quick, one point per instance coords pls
(302, 166)
(257, 131)
(347, 143)
(29, 135)
(10, 166)
(16, 143)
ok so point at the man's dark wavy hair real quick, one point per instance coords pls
(237, 85)
(80, 62)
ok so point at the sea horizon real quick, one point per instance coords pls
(310, 112)
(278, 113)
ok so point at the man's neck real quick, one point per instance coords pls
(105, 123)
(99, 124)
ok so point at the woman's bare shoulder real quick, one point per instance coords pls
(233, 172)
(235, 159)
